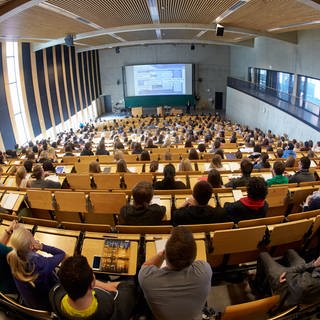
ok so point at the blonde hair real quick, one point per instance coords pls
(216, 161)
(20, 175)
(185, 165)
(18, 258)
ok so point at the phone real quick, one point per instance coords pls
(96, 263)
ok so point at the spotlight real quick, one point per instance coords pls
(117, 50)
(219, 30)
(68, 40)
(192, 47)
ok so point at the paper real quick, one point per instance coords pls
(156, 200)
(9, 200)
(52, 178)
(160, 246)
(207, 167)
(237, 195)
(267, 175)
(132, 169)
(234, 166)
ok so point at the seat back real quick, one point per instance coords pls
(144, 229)
(277, 200)
(79, 181)
(40, 199)
(210, 227)
(298, 197)
(257, 309)
(303, 215)
(107, 181)
(260, 222)
(131, 179)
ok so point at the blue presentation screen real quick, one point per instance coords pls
(158, 79)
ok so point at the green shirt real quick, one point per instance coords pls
(6, 280)
(277, 180)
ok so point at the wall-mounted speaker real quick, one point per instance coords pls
(219, 30)
(117, 50)
(68, 40)
(192, 47)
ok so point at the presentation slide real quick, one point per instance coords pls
(158, 79)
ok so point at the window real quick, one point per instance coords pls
(12, 65)
(308, 94)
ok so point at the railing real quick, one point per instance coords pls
(297, 106)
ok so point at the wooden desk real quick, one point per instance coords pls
(93, 244)
(163, 200)
(151, 247)
(18, 202)
(65, 240)
(180, 199)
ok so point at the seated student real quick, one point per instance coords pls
(278, 178)
(40, 182)
(193, 154)
(28, 164)
(21, 178)
(94, 167)
(87, 150)
(253, 206)
(180, 289)
(142, 212)
(195, 210)
(290, 162)
(214, 178)
(68, 151)
(33, 273)
(246, 167)
(312, 202)
(185, 165)
(101, 149)
(154, 166)
(216, 162)
(289, 151)
(297, 282)
(168, 182)
(48, 166)
(80, 296)
(303, 175)
(7, 284)
(122, 166)
(262, 161)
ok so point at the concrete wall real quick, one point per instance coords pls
(250, 111)
(301, 58)
(212, 66)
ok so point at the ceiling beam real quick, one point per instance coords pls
(311, 3)
(167, 26)
(154, 13)
(14, 7)
(166, 41)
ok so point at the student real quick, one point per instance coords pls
(195, 210)
(246, 167)
(303, 175)
(81, 296)
(94, 167)
(7, 284)
(168, 182)
(101, 149)
(87, 150)
(33, 273)
(253, 206)
(179, 290)
(142, 212)
(122, 166)
(278, 178)
(40, 182)
(214, 178)
(21, 178)
(185, 165)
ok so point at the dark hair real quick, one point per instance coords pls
(142, 193)
(180, 248)
(188, 144)
(169, 171)
(257, 188)
(214, 178)
(290, 162)
(220, 153)
(154, 166)
(48, 166)
(290, 146)
(202, 192)
(202, 147)
(305, 163)
(193, 154)
(257, 148)
(279, 167)
(145, 155)
(122, 166)
(76, 276)
(28, 164)
(279, 153)
(246, 167)
(238, 154)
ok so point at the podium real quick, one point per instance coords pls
(137, 111)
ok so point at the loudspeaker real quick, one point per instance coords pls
(218, 100)
(68, 40)
(219, 30)
(192, 47)
(117, 50)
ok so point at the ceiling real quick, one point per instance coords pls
(116, 23)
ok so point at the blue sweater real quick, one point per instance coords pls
(37, 297)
